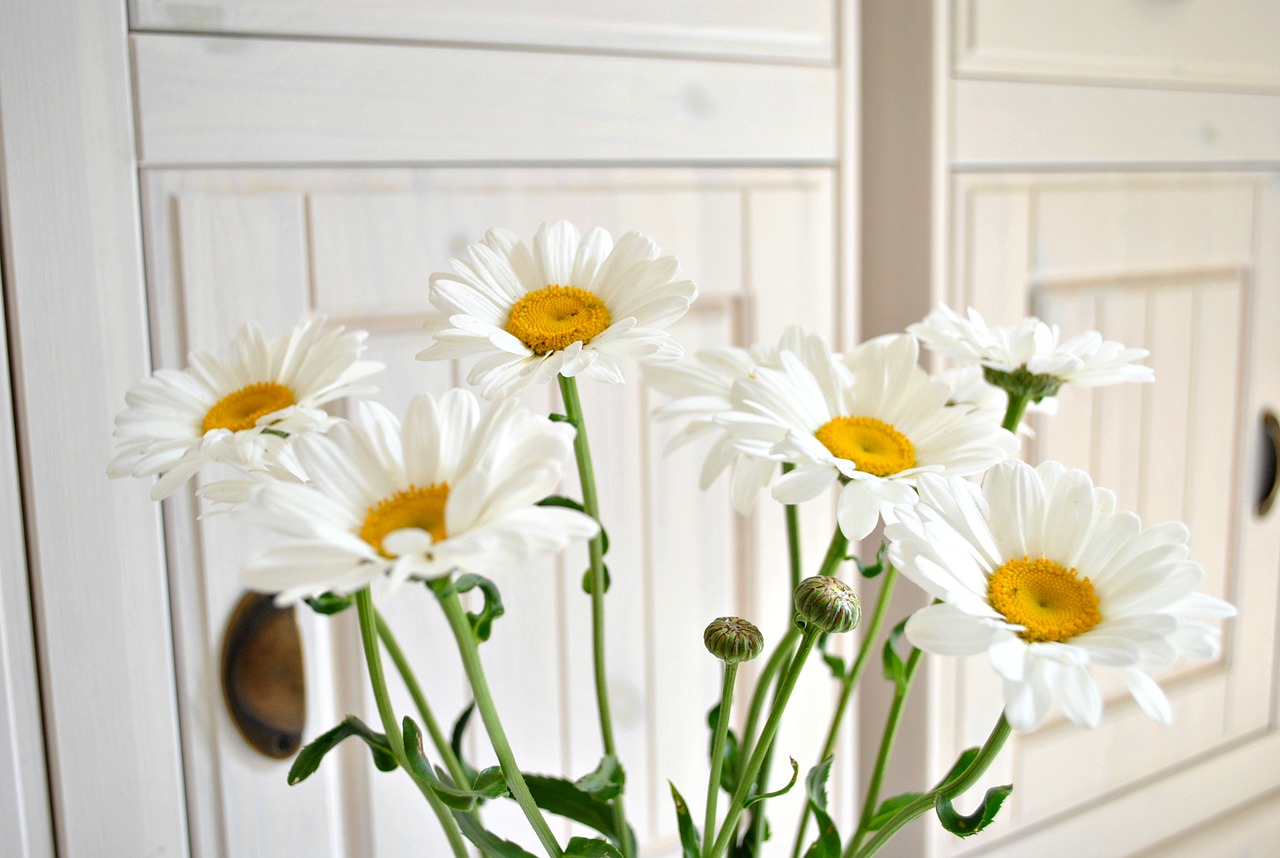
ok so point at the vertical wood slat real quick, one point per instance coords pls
(77, 332)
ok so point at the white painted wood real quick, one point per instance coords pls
(1001, 124)
(800, 30)
(358, 246)
(73, 282)
(241, 100)
(1195, 44)
(25, 825)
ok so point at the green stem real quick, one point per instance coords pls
(850, 681)
(595, 551)
(793, 536)
(373, 658)
(461, 627)
(451, 761)
(947, 789)
(717, 753)
(730, 825)
(872, 799)
(1018, 402)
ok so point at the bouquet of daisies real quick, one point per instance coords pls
(1033, 566)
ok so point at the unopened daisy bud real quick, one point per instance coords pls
(828, 604)
(733, 640)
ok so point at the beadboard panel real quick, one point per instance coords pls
(1187, 267)
(797, 31)
(358, 245)
(999, 125)
(1205, 44)
(232, 100)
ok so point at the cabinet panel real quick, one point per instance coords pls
(358, 245)
(800, 30)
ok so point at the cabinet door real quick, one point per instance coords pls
(357, 246)
(1187, 266)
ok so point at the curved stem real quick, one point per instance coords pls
(793, 535)
(891, 725)
(461, 627)
(717, 754)
(451, 761)
(848, 682)
(373, 658)
(730, 825)
(1018, 403)
(947, 789)
(595, 551)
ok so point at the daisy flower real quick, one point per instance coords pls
(454, 489)
(700, 390)
(1031, 348)
(572, 305)
(1037, 569)
(241, 408)
(873, 420)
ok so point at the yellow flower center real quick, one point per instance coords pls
(411, 507)
(241, 410)
(556, 317)
(1052, 601)
(871, 444)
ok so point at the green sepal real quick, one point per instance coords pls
(561, 500)
(827, 843)
(453, 797)
(795, 773)
(308, 759)
(895, 669)
(889, 807)
(1021, 382)
(967, 826)
(731, 755)
(482, 623)
(455, 738)
(567, 799)
(582, 847)
(488, 842)
(329, 603)
(606, 782)
(689, 838)
(586, 579)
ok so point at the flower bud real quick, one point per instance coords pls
(733, 640)
(828, 604)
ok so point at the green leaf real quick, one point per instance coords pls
(889, 807)
(329, 603)
(454, 797)
(308, 759)
(491, 783)
(581, 847)
(482, 623)
(455, 738)
(875, 568)
(895, 670)
(606, 781)
(561, 500)
(795, 773)
(489, 843)
(967, 826)
(564, 798)
(833, 662)
(827, 843)
(559, 418)
(586, 579)
(966, 758)
(684, 823)
(732, 753)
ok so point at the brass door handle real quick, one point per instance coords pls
(1269, 478)
(263, 682)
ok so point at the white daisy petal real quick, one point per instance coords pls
(943, 630)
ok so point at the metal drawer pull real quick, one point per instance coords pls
(1269, 482)
(263, 682)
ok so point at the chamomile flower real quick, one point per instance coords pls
(239, 409)
(572, 305)
(873, 420)
(1032, 349)
(1038, 570)
(702, 388)
(453, 489)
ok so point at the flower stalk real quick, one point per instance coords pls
(717, 754)
(447, 595)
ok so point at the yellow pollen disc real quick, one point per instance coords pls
(241, 410)
(871, 444)
(412, 507)
(554, 318)
(1052, 601)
